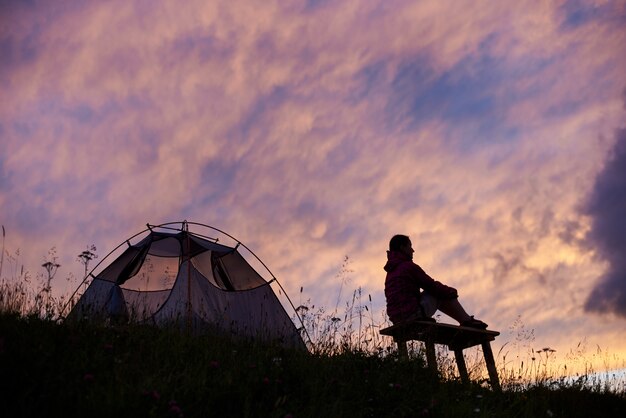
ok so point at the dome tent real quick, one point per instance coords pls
(173, 276)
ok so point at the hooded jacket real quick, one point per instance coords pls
(403, 283)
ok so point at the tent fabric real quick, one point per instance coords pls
(183, 279)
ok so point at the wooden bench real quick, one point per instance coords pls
(457, 339)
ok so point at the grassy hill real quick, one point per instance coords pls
(51, 369)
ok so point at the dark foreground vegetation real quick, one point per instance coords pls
(50, 369)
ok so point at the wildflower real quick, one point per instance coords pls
(214, 364)
(550, 413)
(88, 377)
(476, 410)
(266, 380)
(175, 409)
(151, 394)
(289, 416)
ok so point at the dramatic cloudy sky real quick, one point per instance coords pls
(492, 133)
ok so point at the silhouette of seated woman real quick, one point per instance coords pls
(403, 284)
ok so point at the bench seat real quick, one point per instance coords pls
(456, 338)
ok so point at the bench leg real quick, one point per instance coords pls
(460, 364)
(491, 366)
(403, 352)
(430, 356)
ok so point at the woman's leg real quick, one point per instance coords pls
(453, 308)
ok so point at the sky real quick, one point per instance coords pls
(492, 133)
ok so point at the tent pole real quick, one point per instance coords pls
(71, 298)
(294, 309)
(189, 310)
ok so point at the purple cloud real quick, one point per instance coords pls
(607, 208)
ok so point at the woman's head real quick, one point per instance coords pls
(402, 244)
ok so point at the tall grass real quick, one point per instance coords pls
(27, 296)
(80, 369)
(50, 367)
(354, 330)
(520, 365)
